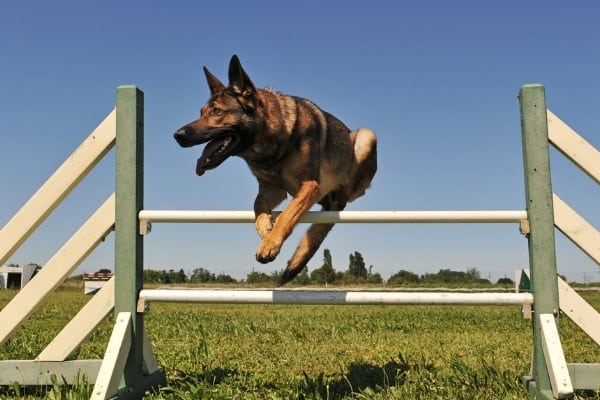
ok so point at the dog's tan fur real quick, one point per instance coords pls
(291, 146)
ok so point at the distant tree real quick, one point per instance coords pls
(447, 276)
(373, 277)
(256, 277)
(326, 274)
(276, 275)
(104, 271)
(152, 276)
(327, 259)
(202, 275)
(356, 266)
(223, 278)
(505, 281)
(472, 274)
(166, 276)
(179, 276)
(403, 277)
(162, 276)
(302, 278)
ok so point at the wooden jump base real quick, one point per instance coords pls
(129, 368)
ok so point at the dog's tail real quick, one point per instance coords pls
(309, 244)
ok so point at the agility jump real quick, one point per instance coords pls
(129, 357)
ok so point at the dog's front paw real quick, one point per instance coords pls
(268, 249)
(263, 225)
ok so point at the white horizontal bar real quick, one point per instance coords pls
(326, 297)
(148, 216)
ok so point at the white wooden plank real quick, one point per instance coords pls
(75, 250)
(577, 229)
(35, 373)
(115, 357)
(81, 325)
(57, 187)
(555, 359)
(579, 311)
(574, 147)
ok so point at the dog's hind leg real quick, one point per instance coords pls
(312, 239)
(365, 163)
(360, 176)
(309, 244)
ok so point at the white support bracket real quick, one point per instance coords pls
(112, 367)
(562, 388)
(111, 370)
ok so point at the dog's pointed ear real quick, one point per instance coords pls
(214, 84)
(238, 79)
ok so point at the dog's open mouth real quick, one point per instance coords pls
(217, 151)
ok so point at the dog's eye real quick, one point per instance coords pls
(216, 111)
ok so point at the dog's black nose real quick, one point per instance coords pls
(181, 137)
(179, 134)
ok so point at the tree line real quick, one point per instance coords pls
(356, 273)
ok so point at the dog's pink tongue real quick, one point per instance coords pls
(199, 169)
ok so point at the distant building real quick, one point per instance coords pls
(16, 277)
(93, 282)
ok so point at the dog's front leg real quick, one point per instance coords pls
(267, 199)
(308, 194)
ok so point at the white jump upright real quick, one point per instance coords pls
(129, 368)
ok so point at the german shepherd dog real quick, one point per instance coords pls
(291, 146)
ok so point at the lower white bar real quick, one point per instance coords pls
(328, 297)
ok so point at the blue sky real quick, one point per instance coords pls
(436, 80)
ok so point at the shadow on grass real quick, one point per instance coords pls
(357, 377)
(361, 378)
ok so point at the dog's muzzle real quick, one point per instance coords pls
(223, 142)
(182, 138)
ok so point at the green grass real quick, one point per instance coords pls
(317, 352)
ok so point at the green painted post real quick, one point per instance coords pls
(542, 253)
(129, 201)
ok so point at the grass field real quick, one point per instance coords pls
(317, 352)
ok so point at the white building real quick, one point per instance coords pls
(16, 277)
(93, 282)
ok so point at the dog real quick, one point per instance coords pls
(291, 146)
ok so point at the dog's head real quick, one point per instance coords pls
(226, 121)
